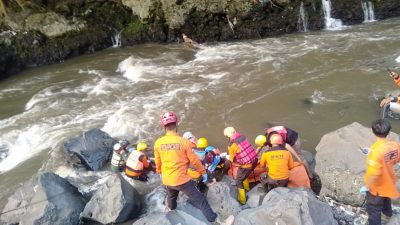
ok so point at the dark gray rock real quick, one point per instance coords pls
(220, 200)
(114, 202)
(49, 199)
(395, 220)
(288, 207)
(159, 218)
(341, 164)
(255, 197)
(309, 157)
(93, 148)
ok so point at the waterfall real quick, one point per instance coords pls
(302, 22)
(116, 40)
(368, 9)
(330, 23)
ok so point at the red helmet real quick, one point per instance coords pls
(276, 139)
(167, 118)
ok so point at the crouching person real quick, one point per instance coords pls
(279, 162)
(119, 155)
(137, 164)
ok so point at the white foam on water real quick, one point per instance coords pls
(133, 68)
(398, 59)
(91, 72)
(27, 144)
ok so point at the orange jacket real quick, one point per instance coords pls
(383, 156)
(173, 155)
(234, 149)
(136, 163)
(279, 162)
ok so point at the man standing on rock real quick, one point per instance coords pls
(173, 154)
(380, 178)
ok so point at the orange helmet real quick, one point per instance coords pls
(276, 139)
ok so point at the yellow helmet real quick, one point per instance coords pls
(141, 146)
(260, 140)
(229, 131)
(202, 143)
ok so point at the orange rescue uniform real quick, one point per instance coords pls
(279, 163)
(173, 155)
(234, 149)
(384, 154)
(142, 164)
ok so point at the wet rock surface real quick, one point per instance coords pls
(115, 201)
(341, 163)
(288, 206)
(93, 148)
(48, 199)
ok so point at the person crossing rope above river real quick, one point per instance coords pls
(173, 154)
(189, 42)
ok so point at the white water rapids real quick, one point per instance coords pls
(314, 83)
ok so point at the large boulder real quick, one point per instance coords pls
(341, 164)
(49, 199)
(394, 220)
(288, 207)
(93, 148)
(114, 202)
(171, 218)
(221, 201)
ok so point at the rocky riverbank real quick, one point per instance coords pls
(41, 32)
(81, 190)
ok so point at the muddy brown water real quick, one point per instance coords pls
(313, 82)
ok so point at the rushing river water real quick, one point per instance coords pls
(312, 82)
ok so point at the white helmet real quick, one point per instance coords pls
(117, 146)
(229, 132)
(187, 135)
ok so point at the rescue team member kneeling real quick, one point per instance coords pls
(137, 164)
(242, 153)
(380, 178)
(172, 155)
(279, 162)
(119, 155)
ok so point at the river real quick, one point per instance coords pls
(312, 82)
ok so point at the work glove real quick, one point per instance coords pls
(364, 190)
(204, 178)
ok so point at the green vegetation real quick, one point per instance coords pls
(135, 27)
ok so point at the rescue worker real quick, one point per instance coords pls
(291, 141)
(172, 155)
(189, 136)
(241, 152)
(396, 79)
(119, 155)
(279, 162)
(380, 178)
(137, 165)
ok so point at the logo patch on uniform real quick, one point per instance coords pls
(168, 147)
(391, 155)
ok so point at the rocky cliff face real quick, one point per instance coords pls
(45, 31)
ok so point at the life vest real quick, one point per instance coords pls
(281, 130)
(116, 159)
(247, 153)
(133, 163)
